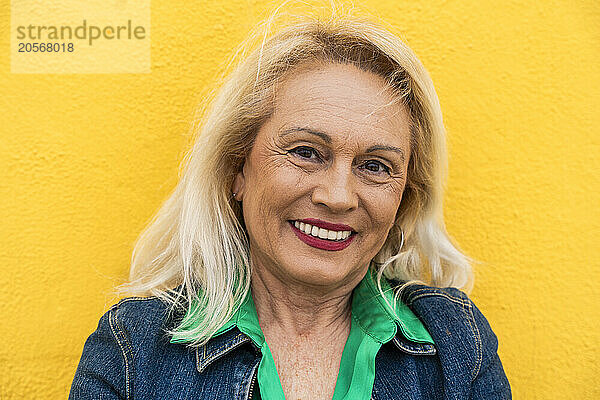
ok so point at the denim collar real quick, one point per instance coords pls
(219, 346)
(410, 338)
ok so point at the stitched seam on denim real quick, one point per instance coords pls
(123, 352)
(409, 350)
(403, 347)
(478, 341)
(373, 394)
(126, 299)
(126, 341)
(225, 348)
(465, 306)
(447, 296)
(242, 396)
(198, 367)
(433, 292)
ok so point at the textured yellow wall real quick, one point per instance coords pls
(85, 160)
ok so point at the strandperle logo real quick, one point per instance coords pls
(80, 36)
(91, 33)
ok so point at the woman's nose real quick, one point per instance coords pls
(335, 189)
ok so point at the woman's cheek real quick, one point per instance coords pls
(292, 179)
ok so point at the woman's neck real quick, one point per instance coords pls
(297, 312)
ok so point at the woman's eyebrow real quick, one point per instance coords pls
(386, 148)
(322, 135)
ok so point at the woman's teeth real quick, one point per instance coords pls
(320, 232)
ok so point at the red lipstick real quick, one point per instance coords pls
(323, 244)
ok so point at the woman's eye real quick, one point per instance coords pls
(376, 167)
(305, 152)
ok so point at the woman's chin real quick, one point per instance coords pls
(318, 274)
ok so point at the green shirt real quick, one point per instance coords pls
(373, 324)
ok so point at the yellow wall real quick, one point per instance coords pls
(85, 160)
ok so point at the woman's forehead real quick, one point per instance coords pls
(340, 98)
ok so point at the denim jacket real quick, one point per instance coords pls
(130, 357)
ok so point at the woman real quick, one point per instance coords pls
(303, 254)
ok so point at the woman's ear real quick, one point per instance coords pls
(239, 184)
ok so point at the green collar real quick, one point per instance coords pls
(378, 319)
(369, 309)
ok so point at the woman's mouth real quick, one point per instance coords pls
(321, 238)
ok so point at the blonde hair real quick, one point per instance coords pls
(195, 250)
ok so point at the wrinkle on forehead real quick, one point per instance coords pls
(358, 101)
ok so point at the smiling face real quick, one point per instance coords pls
(331, 161)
